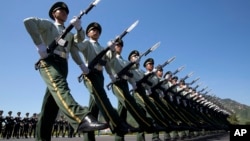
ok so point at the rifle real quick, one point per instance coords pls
(187, 76)
(166, 63)
(191, 83)
(60, 39)
(145, 78)
(197, 86)
(178, 70)
(125, 70)
(202, 89)
(98, 57)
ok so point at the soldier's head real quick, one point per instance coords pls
(94, 30)
(10, 112)
(168, 75)
(34, 114)
(182, 82)
(174, 80)
(18, 113)
(59, 11)
(27, 114)
(1, 112)
(118, 46)
(149, 64)
(159, 71)
(133, 55)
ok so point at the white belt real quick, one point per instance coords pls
(61, 54)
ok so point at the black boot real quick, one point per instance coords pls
(89, 123)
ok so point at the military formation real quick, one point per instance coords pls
(17, 126)
(149, 99)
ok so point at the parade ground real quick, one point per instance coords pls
(218, 137)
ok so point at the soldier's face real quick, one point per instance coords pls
(118, 49)
(60, 15)
(133, 58)
(150, 66)
(159, 73)
(94, 34)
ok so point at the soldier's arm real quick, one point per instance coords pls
(36, 26)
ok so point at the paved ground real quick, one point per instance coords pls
(220, 137)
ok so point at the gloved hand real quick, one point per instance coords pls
(76, 23)
(134, 87)
(125, 77)
(84, 69)
(113, 77)
(111, 45)
(148, 92)
(42, 50)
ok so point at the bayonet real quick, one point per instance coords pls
(60, 39)
(125, 70)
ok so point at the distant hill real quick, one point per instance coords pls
(242, 111)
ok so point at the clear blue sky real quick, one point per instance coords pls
(210, 37)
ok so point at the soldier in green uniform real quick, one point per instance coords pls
(155, 95)
(94, 82)
(142, 99)
(54, 69)
(120, 87)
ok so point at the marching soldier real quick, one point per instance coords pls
(121, 89)
(155, 95)
(17, 125)
(26, 125)
(55, 128)
(54, 69)
(142, 99)
(1, 123)
(61, 126)
(9, 120)
(33, 121)
(94, 82)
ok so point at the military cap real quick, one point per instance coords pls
(1, 111)
(182, 81)
(10, 112)
(134, 52)
(119, 42)
(175, 78)
(149, 60)
(168, 73)
(94, 25)
(27, 113)
(56, 6)
(18, 112)
(159, 68)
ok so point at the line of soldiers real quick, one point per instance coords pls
(157, 102)
(17, 127)
(62, 128)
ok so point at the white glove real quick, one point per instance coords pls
(134, 86)
(76, 23)
(125, 77)
(148, 92)
(42, 50)
(113, 77)
(111, 45)
(84, 69)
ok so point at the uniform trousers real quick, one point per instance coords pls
(94, 82)
(54, 70)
